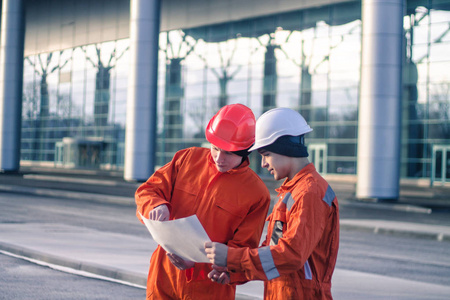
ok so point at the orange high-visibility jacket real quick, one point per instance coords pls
(231, 206)
(299, 254)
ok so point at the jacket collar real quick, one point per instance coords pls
(289, 184)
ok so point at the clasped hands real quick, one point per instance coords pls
(218, 274)
(217, 255)
(216, 252)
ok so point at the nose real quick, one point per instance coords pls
(263, 162)
(219, 156)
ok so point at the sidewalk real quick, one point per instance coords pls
(125, 259)
(96, 253)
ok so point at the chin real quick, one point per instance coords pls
(278, 177)
(221, 169)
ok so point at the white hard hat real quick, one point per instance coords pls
(278, 122)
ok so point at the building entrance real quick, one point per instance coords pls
(79, 152)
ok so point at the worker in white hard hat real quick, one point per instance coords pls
(298, 257)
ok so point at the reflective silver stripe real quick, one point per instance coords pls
(308, 273)
(265, 256)
(277, 233)
(329, 196)
(288, 200)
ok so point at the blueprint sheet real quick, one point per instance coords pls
(184, 237)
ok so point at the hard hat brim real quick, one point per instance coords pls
(263, 142)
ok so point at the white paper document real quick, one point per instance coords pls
(184, 237)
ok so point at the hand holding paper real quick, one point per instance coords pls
(160, 213)
(179, 262)
(184, 237)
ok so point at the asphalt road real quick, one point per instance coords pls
(409, 258)
(22, 280)
(405, 258)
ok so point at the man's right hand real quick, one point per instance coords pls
(219, 275)
(159, 213)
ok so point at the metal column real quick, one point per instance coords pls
(11, 81)
(140, 134)
(379, 125)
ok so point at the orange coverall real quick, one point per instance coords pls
(232, 207)
(300, 251)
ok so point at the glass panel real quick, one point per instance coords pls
(439, 131)
(341, 167)
(238, 87)
(438, 164)
(319, 161)
(344, 131)
(346, 13)
(342, 149)
(439, 79)
(345, 98)
(440, 16)
(422, 92)
(319, 98)
(421, 26)
(439, 53)
(319, 131)
(194, 91)
(447, 166)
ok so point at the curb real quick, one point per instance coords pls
(385, 206)
(93, 268)
(398, 229)
(68, 194)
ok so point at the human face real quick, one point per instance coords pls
(225, 160)
(278, 165)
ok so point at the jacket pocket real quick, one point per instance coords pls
(230, 216)
(231, 208)
(183, 202)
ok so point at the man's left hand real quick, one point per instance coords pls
(216, 253)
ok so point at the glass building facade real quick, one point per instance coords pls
(308, 60)
(79, 95)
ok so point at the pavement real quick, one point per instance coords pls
(421, 211)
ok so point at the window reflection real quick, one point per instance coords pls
(69, 96)
(307, 60)
(426, 82)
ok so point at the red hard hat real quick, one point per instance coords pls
(232, 128)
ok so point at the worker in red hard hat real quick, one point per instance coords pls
(298, 257)
(215, 184)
